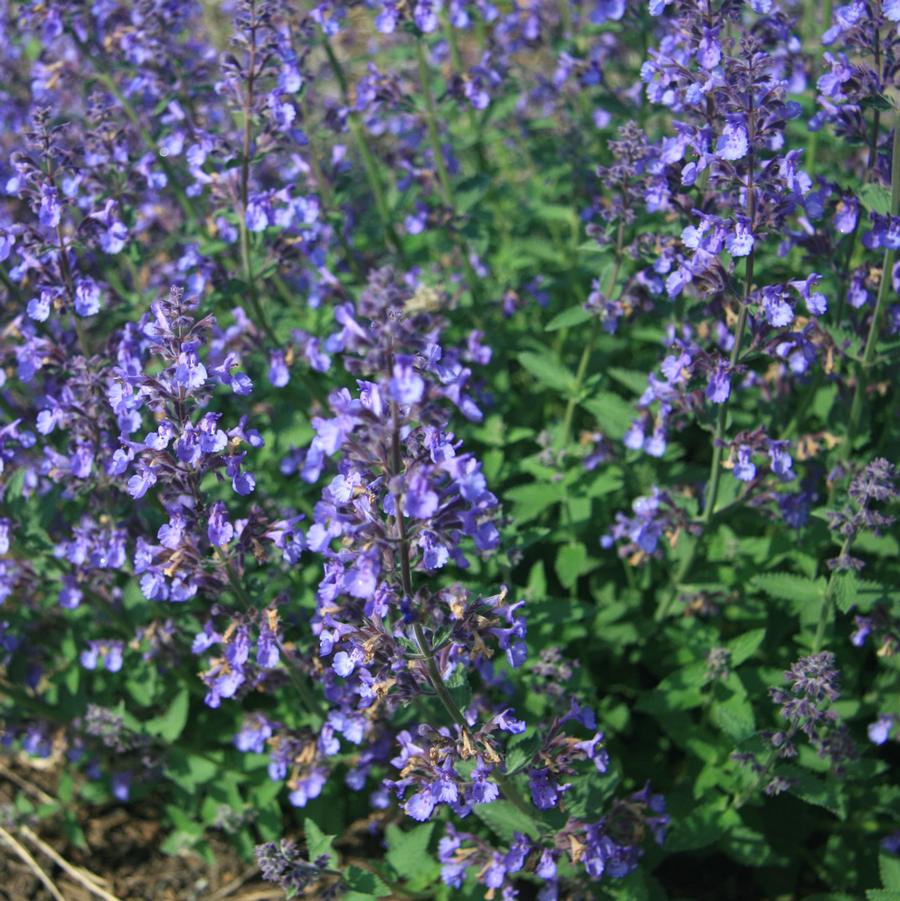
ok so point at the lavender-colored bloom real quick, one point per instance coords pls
(425, 15)
(718, 388)
(420, 805)
(733, 143)
(406, 386)
(219, 530)
(744, 469)
(880, 731)
(50, 211)
(87, 297)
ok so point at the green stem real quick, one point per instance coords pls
(440, 164)
(884, 287)
(331, 207)
(581, 372)
(246, 149)
(434, 137)
(11, 287)
(70, 290)
(103, 75)
(715, 469)
(825, 614)
(307, 698)
(369, 165)
(424, 645)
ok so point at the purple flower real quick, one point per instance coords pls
(880, 731)
(607, 11)
(740, 242)
(308, 788)
(777, 311)
(218, 529)
(121, 785)
(406, 386)
(279, 374)
(425, 15)
(87, 297)
(141, 481)
(733, 143)
(50, 210)
(39, 307)
(420, 805)
(718, 388)
(744, 469)
(545, 791)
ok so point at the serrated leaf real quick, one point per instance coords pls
(797, 590)
(813, 790)
(505, 820)
(521, 752)
(573, 316)
(408, 851)
(190, 770)
(606, 482)
(318, 844)
(458, 685)
(850, 592)
(548, 371)
(745, 645)
(697, 830)
(875, 198)
(734, 717)
(364, 884)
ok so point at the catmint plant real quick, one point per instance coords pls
(447, 448)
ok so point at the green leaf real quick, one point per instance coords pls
(317, 843)
(745, 645)
(521, 752)
(889, 867)
(571, 562)
(190, 770)
(851, 592)
(364, 884)
(505, 820)
(460, 690)
(170, 724)
(408, 852)
(875, 198)
(547, 370)
(814, 790)
(568, 318)
(798, 590)
(142, 690)
(592, 248)
(613, 413)
(734, 717)
(606, 482)
(697, 830)
(635, 381)
(529, 501)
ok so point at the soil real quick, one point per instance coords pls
(123, 851)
